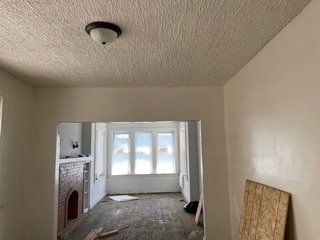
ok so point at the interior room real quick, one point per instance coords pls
(119, 158)
(247, 71)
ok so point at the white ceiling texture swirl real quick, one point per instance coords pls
(164, 43)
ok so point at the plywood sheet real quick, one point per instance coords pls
(264, 212)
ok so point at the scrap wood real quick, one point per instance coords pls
(110, 233)
(200, 209)
(94, 234)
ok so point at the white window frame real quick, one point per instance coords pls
(102, 128)
(4, 100)
(154, 128)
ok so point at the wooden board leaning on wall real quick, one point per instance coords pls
(264, 212)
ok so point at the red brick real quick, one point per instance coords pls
(70, 179)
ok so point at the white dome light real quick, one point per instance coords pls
(103, 32)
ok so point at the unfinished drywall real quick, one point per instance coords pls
(272, 123)
(143, 104)
(18, 156)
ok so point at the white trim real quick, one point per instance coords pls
(67, 160)
(132, 143)
(145, 175)
(103, 128)
(3, 128)
(142, 125)
(94, 202)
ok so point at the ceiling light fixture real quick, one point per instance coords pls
(103, 32)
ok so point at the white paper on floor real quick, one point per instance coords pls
(123, 198)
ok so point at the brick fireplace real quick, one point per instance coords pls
(70, 198)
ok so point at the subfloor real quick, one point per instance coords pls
(152, 217)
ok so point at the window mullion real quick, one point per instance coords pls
(154, 152)
(176, 151)
(132, 152)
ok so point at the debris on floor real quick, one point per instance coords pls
(195, 235)
(123, 198)
(97, 233)
(191, 207)
(111, 233)
(153, 216)
(93, 234)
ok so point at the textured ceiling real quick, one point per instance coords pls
(164, 43)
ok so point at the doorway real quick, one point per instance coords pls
(135, 157)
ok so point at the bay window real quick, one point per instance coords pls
(150, 149)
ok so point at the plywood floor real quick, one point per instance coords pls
(152, 217)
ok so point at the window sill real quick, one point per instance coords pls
(144, 175)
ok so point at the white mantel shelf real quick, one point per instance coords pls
(79, 159)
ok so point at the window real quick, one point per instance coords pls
(121, 154)
(143, 153)
(148, 148)
(165, 153)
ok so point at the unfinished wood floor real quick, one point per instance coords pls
(152, 217)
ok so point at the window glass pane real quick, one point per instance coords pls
(143, 144)
(165, 153)
(120, 154)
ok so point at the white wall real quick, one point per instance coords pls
(193, 160)
(19, 156)
(98, 183)
(143, 184)
(191, 190)
(69, 133)
(143, 104)
(74, 132)
(184, 179)
(272, 123)
(86, 138)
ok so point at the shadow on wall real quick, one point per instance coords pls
(291, 225)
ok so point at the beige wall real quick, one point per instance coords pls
(103, 104)
(18, 155)
(272, 111)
